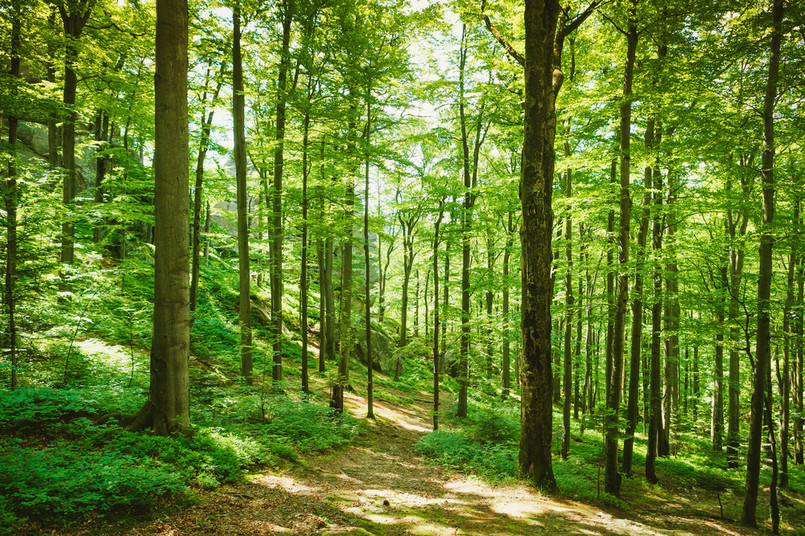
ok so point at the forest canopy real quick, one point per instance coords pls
(587, 210)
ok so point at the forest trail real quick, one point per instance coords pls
(379, 486)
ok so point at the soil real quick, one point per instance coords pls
(379, 486)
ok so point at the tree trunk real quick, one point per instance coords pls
(567, 371)
(632, 412)
(169, 389)
(198, 190)
(303, 278)
(506, 365)
(329, 299)
(612, 479)
(736, 229)
(717, 414)
(535, 235)
(73, 22)
(763, 348)
(366, 266)
(671, 318)
(436, 327)
(287, 7)
(11, 199)
(244, 274)
(655, 381)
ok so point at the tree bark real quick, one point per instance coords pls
(535, 235)
(506, 331)
(436, 320)
(655, 381)
(612, 479)
(632, 412)
(567, 371)
(244, 274)
(198, 190)
(11, 196)
(169, 389)
(73, 22)
(763, 348)
(287, 7)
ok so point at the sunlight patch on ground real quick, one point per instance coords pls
(112, 355)
(285, 482)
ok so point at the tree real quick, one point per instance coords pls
(168, 400)
(536, 184)
(11, 197)
(763, 345)
(74, 15)
(244, 273)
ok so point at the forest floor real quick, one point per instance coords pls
(379, 486)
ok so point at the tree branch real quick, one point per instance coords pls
(519, 58)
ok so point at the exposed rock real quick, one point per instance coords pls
(383, 358)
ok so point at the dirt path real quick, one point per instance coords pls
(380, 487)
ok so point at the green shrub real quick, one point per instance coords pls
(35, 410)
(460, 451)
(59, 483)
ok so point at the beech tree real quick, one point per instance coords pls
(168, 400)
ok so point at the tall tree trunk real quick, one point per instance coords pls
(169, 389)
(287, 7)
(490, 301)
(797, 376)
(783, 373)
(244, 274)
(370, 413)
(322, 310)
(612, 479)
(632, 412)
(198, 190)
(763, 348)
(505, 357)
(303, 278)
(655, 380)
(466, 226)
(74, 21)
(54, 131)
(736, 230)
(536, 184)
(11, 196)
(436, 326)
(329, 299)
(101, 137)
(671, 318)
(717, 414)
(567, 372)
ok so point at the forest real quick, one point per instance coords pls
(373, 267)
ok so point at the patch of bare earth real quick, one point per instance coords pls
(380, 487)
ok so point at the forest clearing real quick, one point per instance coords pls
(402, 267)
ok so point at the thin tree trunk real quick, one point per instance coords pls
(671, 318)
(12, 199)
(303, 278)
(763, 349)
(567, 372)
(244, 274)
(198, 190)
(612, 479)
(287, 7)
(74, 22)
(436, 326)
(366, 264)
(655, 381)
(632, 412)
(506, 331)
